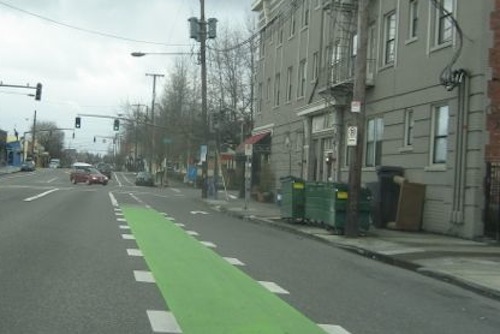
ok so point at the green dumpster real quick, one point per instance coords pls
(314, 201)
(337, 195)
(292, 198)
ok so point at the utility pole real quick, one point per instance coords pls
(154, 75)
(358, 120)
(203, 60)
(33, 138)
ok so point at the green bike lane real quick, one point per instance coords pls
(205, 293)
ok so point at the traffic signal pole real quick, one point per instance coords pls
(358, 120)
(203, 60)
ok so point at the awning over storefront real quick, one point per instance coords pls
(252, 140)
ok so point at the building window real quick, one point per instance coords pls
(302, 78)
(389, 38)
(305, 13)
(262, 45)
(277, 89)
(268, 89)
(280, 35)
(292, 24)
(261, 97)
(440, 134)
(443, 23)
(409, 125)
(289, 72)
(413, 19)
(374, 136)
(371, 54)
(315, 67)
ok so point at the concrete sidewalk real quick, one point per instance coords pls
(470, 264)
(9, 169)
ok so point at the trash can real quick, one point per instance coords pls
(292, 198)
(337, 195)
(388, 195)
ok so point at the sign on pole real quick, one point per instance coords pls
(248, 149)
(355, 106)
(203, 153)
(352, 136)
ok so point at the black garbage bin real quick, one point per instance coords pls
(388, 194)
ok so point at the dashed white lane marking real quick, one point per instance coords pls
(273, 287)
(121, 220)
(148, 206)
(30, 199)
(128, 237)
(119, 213)
(170, 218)
(233, 197)
(208, 244)
(333, 329)
(136, 198)
(176, 190)
(193, 233)
(115, 176)
(51, 180)
(163, 322)
(124, 227)
(144, 276)
(234, 261)
(134, 252)
(114, 202)
(180, 224)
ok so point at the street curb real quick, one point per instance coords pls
(388, 259)
(463, 283)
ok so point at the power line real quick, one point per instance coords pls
(89, 31)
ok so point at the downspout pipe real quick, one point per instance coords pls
(461, 148)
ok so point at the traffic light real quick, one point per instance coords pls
(38, 94)
(78, 122)
(212, 28)
(116, 125)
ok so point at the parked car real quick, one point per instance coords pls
(28, 166)
(83, 172)
(105, 169)
(55, 163)
(144, 179)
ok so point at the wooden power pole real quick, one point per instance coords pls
(358, 121)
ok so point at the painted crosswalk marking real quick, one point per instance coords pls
(163, 322)
(121, 220)
(180, 224)
(234, 261)
(273, 287)
(193, 233)
(128, 237)
(124, 227)
(333, 329)
(134, 252)
(144, 276)
(208, 244)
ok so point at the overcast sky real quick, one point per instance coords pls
(85, 73)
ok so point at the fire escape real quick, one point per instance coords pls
(336, 77)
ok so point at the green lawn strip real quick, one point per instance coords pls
(206, 294)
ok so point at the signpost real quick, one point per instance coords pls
(248, 172)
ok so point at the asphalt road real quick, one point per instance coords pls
(64, 268)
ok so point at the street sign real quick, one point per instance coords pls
(352, 136)
(248, 149)
(355, 106)
(203, 153)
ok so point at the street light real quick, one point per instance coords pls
(142, 54)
